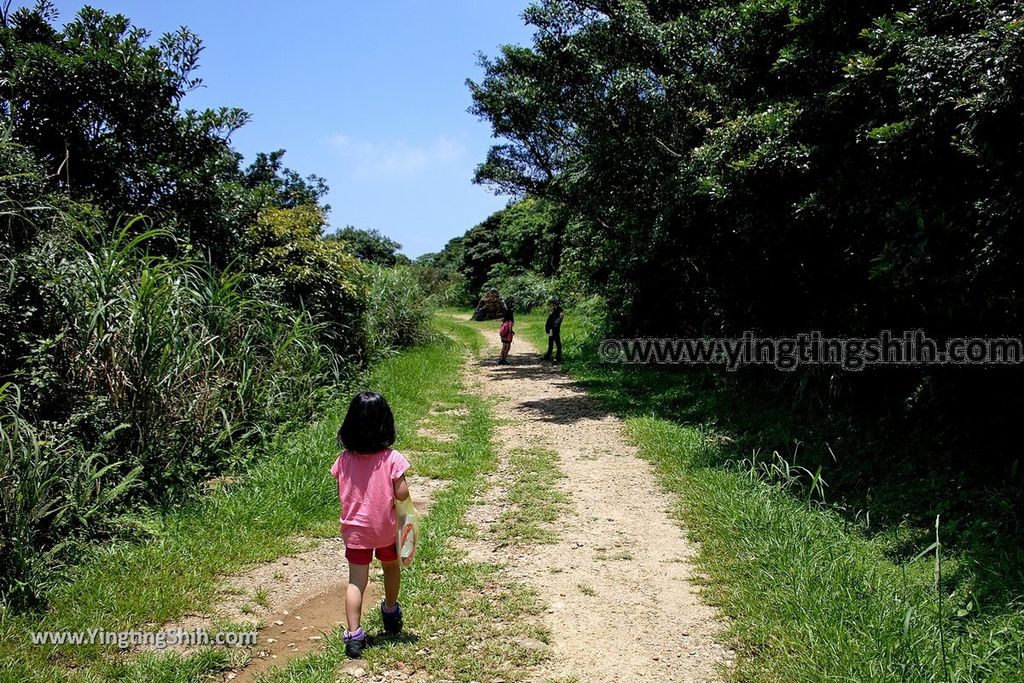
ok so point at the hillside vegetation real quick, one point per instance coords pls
(165, 309)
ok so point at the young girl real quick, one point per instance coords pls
(371, 476)
(506, 333)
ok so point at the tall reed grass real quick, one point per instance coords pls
(161, 373)
(398, 311)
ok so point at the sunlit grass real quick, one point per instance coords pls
(533, 502)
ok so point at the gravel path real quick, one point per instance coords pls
(619, 583)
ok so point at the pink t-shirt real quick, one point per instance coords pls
(367, 494)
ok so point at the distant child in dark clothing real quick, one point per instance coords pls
(553, 327)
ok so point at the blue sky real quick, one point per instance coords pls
(369, 95)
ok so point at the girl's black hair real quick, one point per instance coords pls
(508, 315)
(369, 425)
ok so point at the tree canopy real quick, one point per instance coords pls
(861, 161)
(370, 245)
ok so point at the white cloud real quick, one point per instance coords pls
(391, 158)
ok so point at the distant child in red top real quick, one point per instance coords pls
(371, 476)
(505, 333)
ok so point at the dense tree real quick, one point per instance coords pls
(530, 236)
(284, 187)
(285, 246)
(99, 105)
(481, 251)
(449, 258)
(859, 161)
(370, 245)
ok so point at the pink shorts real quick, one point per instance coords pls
(388, 553)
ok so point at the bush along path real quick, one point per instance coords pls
(576, 514)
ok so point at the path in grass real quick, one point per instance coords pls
(616, 574)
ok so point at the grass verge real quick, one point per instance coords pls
(533, 502)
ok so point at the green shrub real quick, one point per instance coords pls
(398, 310)
(285, 247)
(146, 375)
(522, 291)
(50, 490)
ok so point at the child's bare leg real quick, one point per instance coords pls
(392, 583)
(358, 574)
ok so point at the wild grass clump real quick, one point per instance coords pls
(48, 490)
(398, 310)
(138, 370)
(172, 363)
(157, 374)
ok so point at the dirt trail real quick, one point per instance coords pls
(619, 582)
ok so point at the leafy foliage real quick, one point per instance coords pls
(283, 187)
(481, 251)
(48, 490)
(99, 106)
(849, 157)
(370, 245)
(782, 167)
(522, 291)
(522, 243)
(285, 247)
(141, 355)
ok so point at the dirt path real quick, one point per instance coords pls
(618, 581)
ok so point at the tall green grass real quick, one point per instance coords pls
(48, 490)
(148, 374)
(187, 361)
(161, 371)
(398, 311)
(139, 370)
